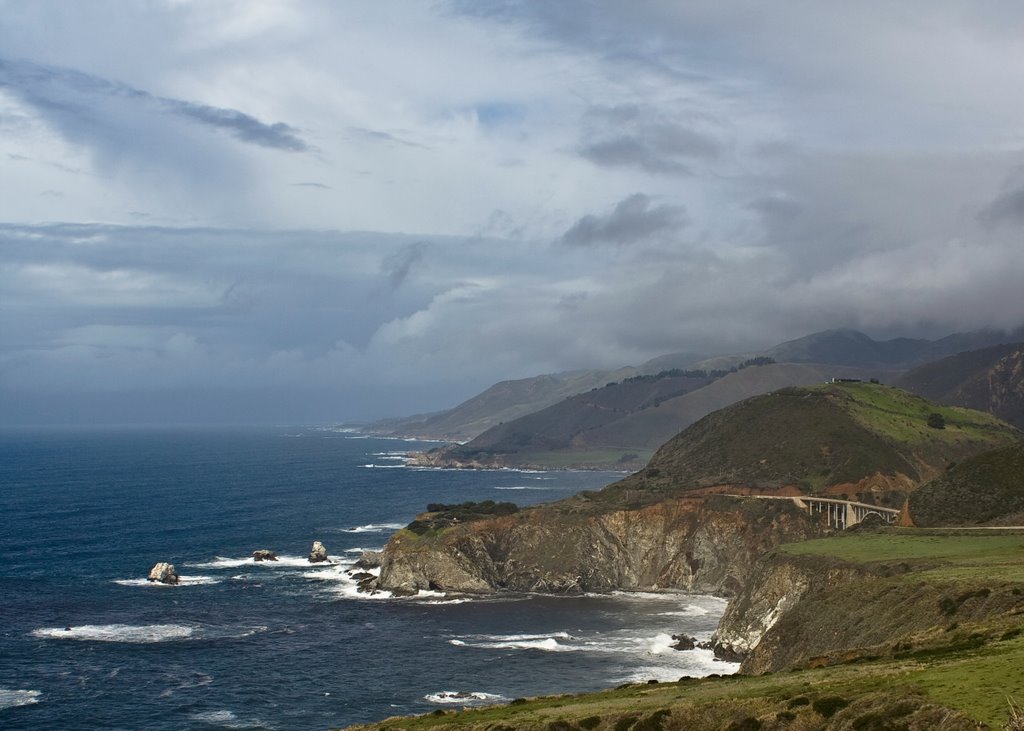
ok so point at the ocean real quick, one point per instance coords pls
(87, 643)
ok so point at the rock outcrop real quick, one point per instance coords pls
(704, 544)
(317, 554)
(264, 554)
(164, 573)
(369, 560)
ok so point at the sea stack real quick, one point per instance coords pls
(164, 573)
(318, 554)
(264, 554)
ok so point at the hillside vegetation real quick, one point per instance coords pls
(984, 489)
(856, 437)
(991, 379)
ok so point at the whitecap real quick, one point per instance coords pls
(227, 719)
(449, 697)
(14, 698)
(182, 581)
(690, 610)
(549, 644)
(523, 487)
(144, 634)
(374, 528)
(137, 634)
(695, 663)
(223, 562)
(524, 637)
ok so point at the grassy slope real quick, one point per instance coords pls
(974, 676)
(820, 436)
(986, 488)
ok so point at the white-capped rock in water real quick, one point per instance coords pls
(264, 554)
(318, 553)
(164, 573)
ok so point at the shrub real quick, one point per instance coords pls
(936, 421)
(590, 722)
(625, 723)
(654, 722)
(829, 705)
(744, 724)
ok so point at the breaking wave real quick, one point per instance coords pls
(14, 698)
(374, 528)
(182, 581)
(227, 719)
(143, 634)
(448, 697)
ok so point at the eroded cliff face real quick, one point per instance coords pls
(706, 544)
(774, 589)
(811, 611)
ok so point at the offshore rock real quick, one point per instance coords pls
(264, 555)
(692, 543)
(163, 573)
(318, 553)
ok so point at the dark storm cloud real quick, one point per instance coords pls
(397, 266)
(1007, 208)
(69, 98)
(632, 220)
(632, 136)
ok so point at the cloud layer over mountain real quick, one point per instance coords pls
(260, 211)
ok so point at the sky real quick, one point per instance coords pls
(262, 211)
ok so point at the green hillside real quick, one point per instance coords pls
(985, 489)
(858, 434)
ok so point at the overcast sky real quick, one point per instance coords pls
(255, 211)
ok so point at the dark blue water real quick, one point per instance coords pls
(86, 643)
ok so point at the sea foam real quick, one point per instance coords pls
(374, 528)
(13, 698)
(118, 632)
(182, 581)
(145, 633)
(224, 562)
(227, 719)
(449, 697)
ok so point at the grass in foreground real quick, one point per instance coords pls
(975, 683)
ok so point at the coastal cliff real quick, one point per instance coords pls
(705, 544)
(818, 608)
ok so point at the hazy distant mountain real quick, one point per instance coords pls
(622, 424)
(854, 348)
(509, 400)
(503, 401)
(823, 351)
(990, 379)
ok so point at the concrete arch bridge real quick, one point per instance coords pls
(840, 514)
